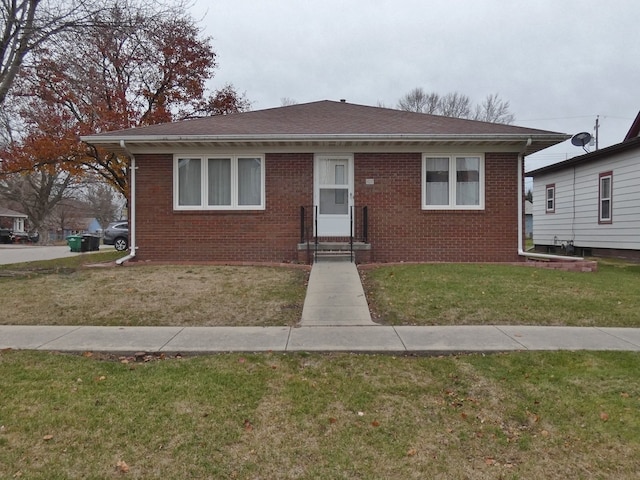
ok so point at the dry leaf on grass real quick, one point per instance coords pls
(247, 425)
(604, 416)
(46, 438)
(122, 466)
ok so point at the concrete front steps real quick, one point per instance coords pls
(334, 250)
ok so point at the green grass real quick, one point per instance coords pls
(520, 415)
(478, 294)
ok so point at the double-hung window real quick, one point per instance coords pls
(604, 198)
(219, 182)
(453, 182)
(550, 198)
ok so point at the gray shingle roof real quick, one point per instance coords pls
(325, 123)
(326, 118)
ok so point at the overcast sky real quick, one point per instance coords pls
(560, 63)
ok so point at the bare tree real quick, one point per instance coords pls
(38, 194)
(494, 110)
(31, 24)
(455, 105)
(286, 101)
(417, 100)
(102, 202)
(458, 105)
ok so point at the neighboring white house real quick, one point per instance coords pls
(590, 204)
(528, 219)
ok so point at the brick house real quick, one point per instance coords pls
(263, 186)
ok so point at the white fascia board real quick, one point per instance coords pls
(470, 138)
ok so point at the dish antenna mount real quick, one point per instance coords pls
(581, 139)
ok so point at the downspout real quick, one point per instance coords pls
(521, 250)
(132, 219)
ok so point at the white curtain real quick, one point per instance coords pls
(219, 181)
(437, 181)
(468, 181)
(249, 181)
(332, 172)
(189, 181)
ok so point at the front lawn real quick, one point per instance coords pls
(547, 415)
(62, 292)
(483, 294)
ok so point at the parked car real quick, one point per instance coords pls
(117, 234)
(24, 237)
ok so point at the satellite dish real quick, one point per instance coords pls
(581, 139)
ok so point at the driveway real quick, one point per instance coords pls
(30, 253)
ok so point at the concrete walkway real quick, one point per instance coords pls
(335, 318)
(335, 296)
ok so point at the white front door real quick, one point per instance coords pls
(333, 194)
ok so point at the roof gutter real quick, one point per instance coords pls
(521, 251)
(106, 139)
(132, 219)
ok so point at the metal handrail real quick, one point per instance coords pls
(358, 228)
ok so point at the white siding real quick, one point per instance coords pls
(576, 212)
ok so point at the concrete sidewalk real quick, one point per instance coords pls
(376, 338)
(335, 318)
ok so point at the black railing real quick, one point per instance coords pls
(309, 233)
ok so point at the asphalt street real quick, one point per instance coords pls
(30, 253)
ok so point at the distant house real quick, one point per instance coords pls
(590, 204)
(262, 186)
(528, 219)
(76, 225)
(12, 220)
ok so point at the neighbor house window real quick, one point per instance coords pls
(453, 182)
(550, 195)
(604, 196)
(220, 182)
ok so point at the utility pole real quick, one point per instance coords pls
(596, 129)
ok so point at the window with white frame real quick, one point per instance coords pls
(604, 195)
(219, 182)
(453, 182)
(550, 198)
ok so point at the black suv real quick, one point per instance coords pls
(117, 234)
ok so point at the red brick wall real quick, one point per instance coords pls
(399, 230)
(270, 235)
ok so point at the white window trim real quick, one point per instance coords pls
(452, 182)
(601, 177)
(204, 178)
(550, 187)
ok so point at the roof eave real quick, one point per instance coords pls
(539, 141)
(604, 153)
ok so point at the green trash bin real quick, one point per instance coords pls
(74, 242)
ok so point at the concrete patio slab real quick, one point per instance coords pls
(564, 338)
(114, 339)
(447, 339)
(229, 339)
(23, 337)
(346, 338)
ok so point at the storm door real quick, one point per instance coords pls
(333, 194)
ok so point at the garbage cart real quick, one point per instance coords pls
(74, 242)
(90, 243)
